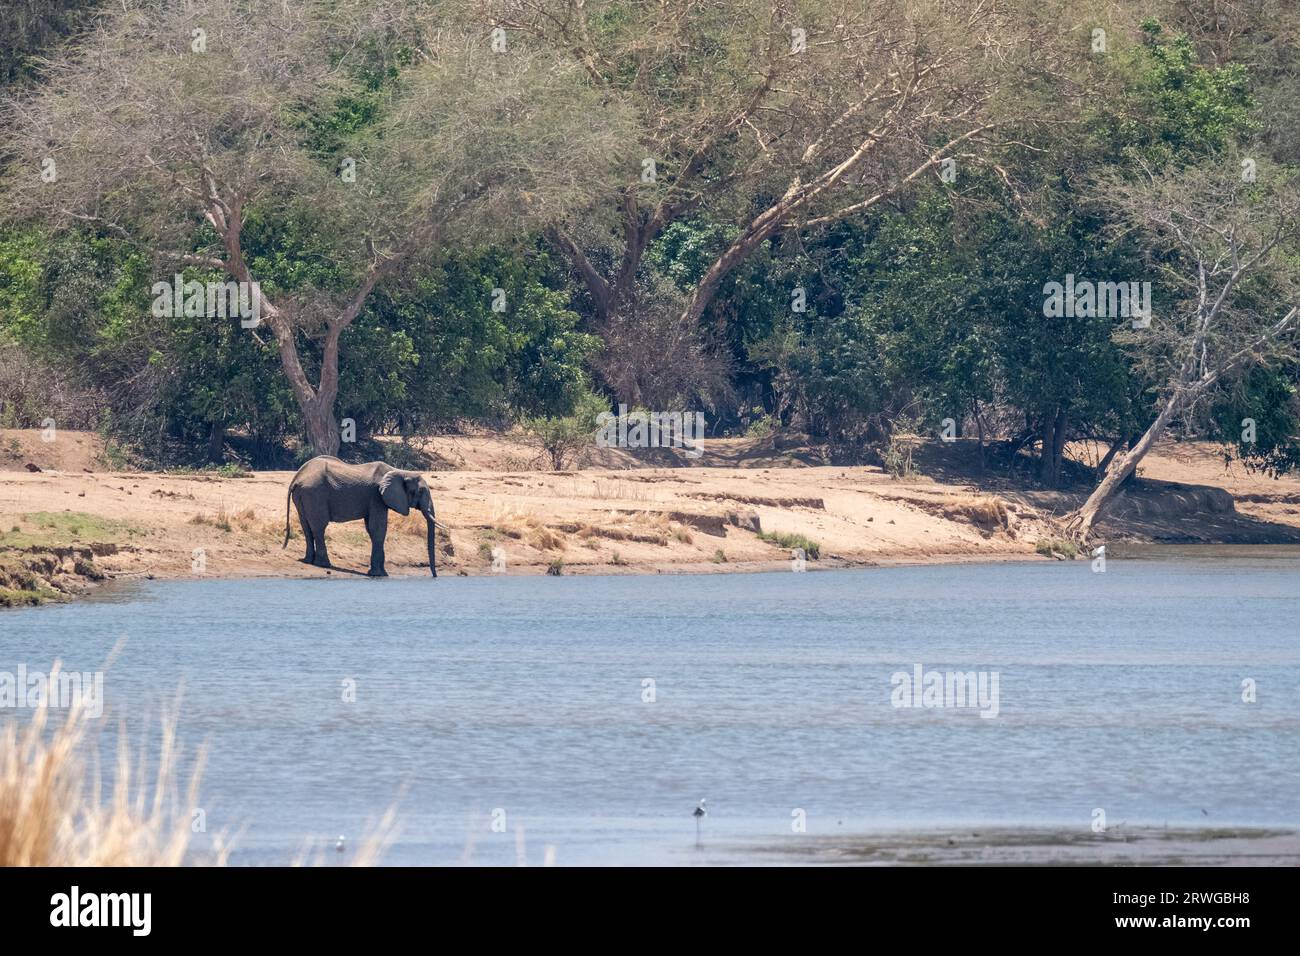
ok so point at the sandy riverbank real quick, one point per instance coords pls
(740, 508)
(1045, 846)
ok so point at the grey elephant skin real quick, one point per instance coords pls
(327, 489)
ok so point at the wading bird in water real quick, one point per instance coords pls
(700, 812)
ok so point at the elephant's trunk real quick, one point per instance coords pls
(433, 566)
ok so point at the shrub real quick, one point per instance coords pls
(565, 438)
(1057, 548)
(785, 539)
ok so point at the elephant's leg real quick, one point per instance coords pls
(318, 516)
(377, 528)
(322, 555)
(310, 556)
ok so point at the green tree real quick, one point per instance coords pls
(470, 146)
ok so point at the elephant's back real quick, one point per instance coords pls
(340, 478)
(311, 471)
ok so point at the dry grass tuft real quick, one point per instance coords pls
(53, 811)
(659, 525)
(508, 521)
(620, 528)
(530, 528)
(609, 489)
(245, 520)
(545, 539)
(412, 525)
(983, 511)
(276, 530)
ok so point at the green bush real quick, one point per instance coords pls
(565, 438)
(1057, 547)
(788, 540)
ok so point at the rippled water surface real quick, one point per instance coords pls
(771, 694)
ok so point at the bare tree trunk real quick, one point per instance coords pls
(316, 403)
(1045, 476)
(1105, 494)
(1055, 432)
(610, 295)
(1115, 446)
(597, 287)
(216, 443)
(322, 428)
(1183, 394)
(705, 290)
(1058, 445)
(614, 298)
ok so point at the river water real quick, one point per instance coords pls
(501, 716)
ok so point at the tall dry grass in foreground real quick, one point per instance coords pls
(54, 811)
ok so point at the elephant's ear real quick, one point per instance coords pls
(392, 488)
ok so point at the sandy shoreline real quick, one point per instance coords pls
(1041, 846)
(70, 522)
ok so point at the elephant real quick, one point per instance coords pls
(327, 489)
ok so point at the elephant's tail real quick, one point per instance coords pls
(287, 498)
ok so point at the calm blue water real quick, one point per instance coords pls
(772, 693)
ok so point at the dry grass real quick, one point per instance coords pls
(508, 521)
(545, 539)
(983, 511)
(528, 528)
(54, 812)
(276, 530)
(640, 528)
(245, 517)
(608, 489)
(378, 837)
(660, 526)
(245, 520)
(412, 525)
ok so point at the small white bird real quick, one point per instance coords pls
(339, 845)
(699, 813)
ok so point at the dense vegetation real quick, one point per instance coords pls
(905, 292)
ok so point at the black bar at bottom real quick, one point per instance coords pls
(335, 905)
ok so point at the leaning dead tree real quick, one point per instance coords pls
(1225, 248)
(182, 127)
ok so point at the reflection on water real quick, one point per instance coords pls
(595, 712)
